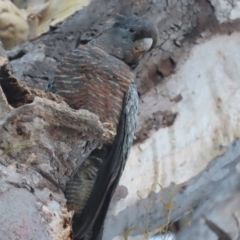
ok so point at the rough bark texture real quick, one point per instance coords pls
(42, 143)
(188, 125)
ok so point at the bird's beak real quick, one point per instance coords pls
(143, 45)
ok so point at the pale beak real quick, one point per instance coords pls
(143, 45)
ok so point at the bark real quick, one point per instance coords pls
(42, 143)
(188, 127)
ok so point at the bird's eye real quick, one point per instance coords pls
(131, 30)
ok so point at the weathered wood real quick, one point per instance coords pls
(42, 143)
(190, 158)
(218, 218)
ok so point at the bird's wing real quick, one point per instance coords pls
(88, 78)
(96, 208)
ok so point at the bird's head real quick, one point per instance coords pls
(128, 39)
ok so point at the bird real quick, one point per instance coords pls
(99, 77)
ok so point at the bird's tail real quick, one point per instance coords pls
(113, 159)
(80, 187)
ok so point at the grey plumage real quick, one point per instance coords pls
(110, 172)
(98, 77)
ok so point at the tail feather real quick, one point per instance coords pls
(79, 188)
(109, 174)
(92, 200)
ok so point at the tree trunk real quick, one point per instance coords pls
(187, 139)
